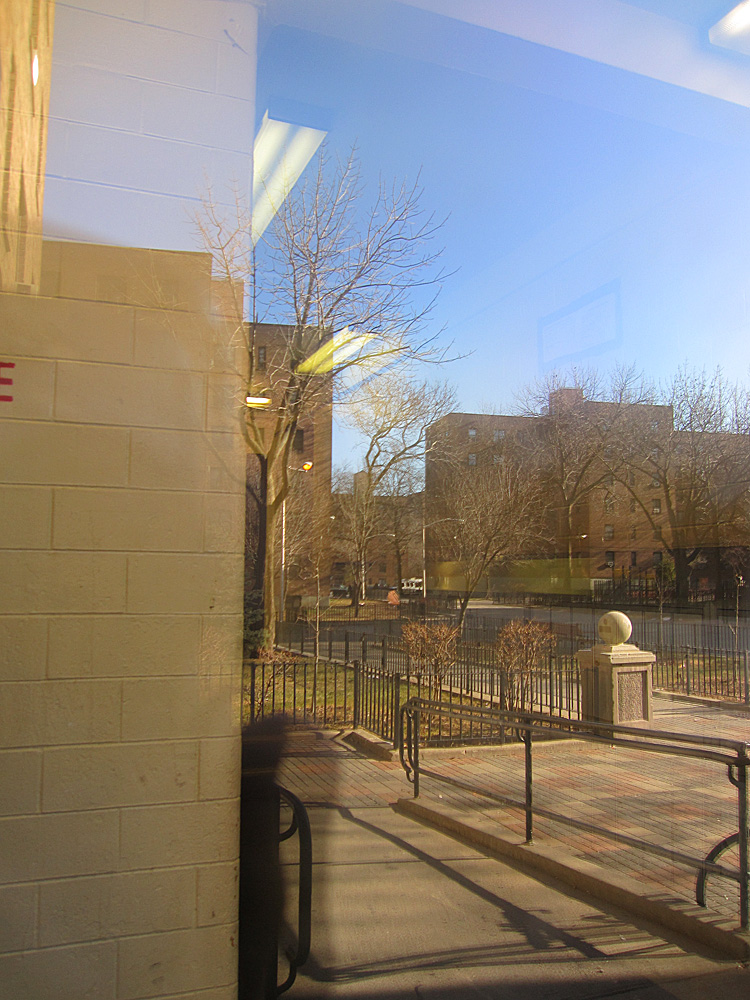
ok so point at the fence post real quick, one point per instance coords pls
(357, 685)
(364, 650)
(528, 782)
(346, 647)
(687, 670)
(252, 687)
(396, 709)
(384, 652)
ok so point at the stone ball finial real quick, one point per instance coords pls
(614, 628)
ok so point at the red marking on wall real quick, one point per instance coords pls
(6, 381)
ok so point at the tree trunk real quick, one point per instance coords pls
(269, 582)
(681, 575)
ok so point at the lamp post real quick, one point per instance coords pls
(306, 467)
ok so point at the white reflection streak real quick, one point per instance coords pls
(280, 153)
(733, 30)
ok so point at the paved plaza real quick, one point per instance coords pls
(403, 910)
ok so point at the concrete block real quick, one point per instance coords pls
(199, 584)
(62, 582)
(59, 845)
(127, 520)
(26, 517)
(32, 389)
(220, 768)
(123, 645)
(226, 399)
(187, 834)
(48, 713)
(167, 338)
(216, 120)
(18, 917)
(105, 156)
(122, 775)
(59, 328)
(176, 962)
(109, 906)
(88, 39)
(224, 522)
(70, 973)
(187, 461)
(20, 782)
(98, 96)
(51, 453)
(221, 649)
(131, 397)
(23, 647)
(207, 22)
(107, 214)
(178, 707)
(217, 894)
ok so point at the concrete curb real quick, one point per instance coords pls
(610, 886)
(694, 699)
(368, 744)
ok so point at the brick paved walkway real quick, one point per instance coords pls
(679, 805)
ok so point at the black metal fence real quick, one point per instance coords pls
(732, 754)
(702, 670)
(369, 680)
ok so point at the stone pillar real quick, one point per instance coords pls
(615, 675)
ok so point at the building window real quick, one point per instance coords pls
(298, 444)
(472, 433)
(261, 360)
(609, 557)
(472, 459)
(633, 558)
(654, 481)
(632, 505)
(609, 503)
(657, 534)
(633, 533)
(657, 558)
(656, 506)
(497, 459)
(497, 436)
(609, 531)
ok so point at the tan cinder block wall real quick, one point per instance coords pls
(120, 631)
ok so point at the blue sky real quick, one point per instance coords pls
(565, 183)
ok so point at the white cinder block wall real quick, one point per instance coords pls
(121, 517)
(120, 651)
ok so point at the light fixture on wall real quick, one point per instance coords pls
(281, 152)
(733, 30)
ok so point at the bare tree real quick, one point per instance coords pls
(484, 516)
(432, 651)
(571, 446)
(349, 286)
(522, 648)
(392, 415)
(686, 466)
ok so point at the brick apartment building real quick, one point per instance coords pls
(635, 522)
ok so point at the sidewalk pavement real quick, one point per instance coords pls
(380, 876)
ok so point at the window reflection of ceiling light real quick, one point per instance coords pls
(257, 400)
(733, 30)
(35, 69)
(280, 153)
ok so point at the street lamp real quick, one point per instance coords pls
(306, 467)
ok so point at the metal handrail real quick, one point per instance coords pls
(734, 754)
(300, 824)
